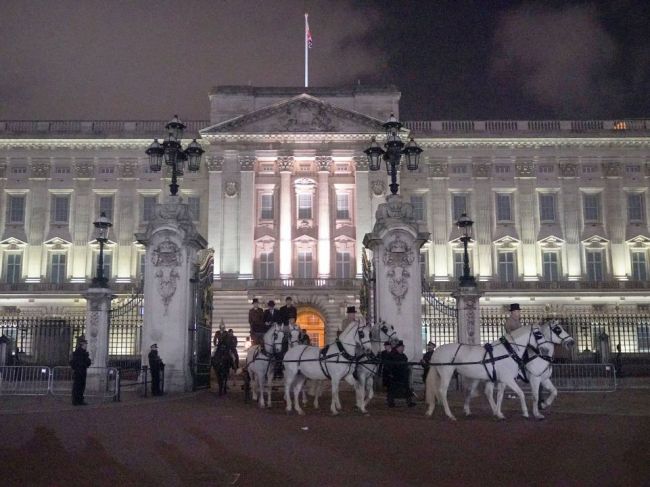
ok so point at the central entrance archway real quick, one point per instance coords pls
(313, 323)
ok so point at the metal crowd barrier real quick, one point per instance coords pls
(24, 380)
(102, 382)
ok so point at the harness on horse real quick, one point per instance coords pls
(323, 357)
(516, 358)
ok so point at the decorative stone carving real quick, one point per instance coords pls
(84, 169)
(247, 163)
(215, 163)
(394, 210)
(285, 163)
(129, 168)
(439, 169)
(231, 189)
(41, 170)
(308, 117)
(361, 163)
(611, 169)
(323, 162)
(378, 187)
(481, 169)
(398, 258)
(166, 258)
(524, 169)
(568, 169)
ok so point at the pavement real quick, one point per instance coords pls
(202, 439)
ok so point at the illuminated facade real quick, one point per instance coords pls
(284, 197)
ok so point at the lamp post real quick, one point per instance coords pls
(102, 227)
(173, 153)
(465, 225)
(394, 149)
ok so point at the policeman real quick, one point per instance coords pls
(79, 363)
(426, 360)
(156, 365)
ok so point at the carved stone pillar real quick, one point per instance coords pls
(98, 305)
(324, 251)
(285, 164)
(172, 242)
(395, 242)
(469, 314)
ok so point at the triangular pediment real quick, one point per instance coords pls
(12, 243)
(640, 241)
(57, 243)
(506, 241)
(301, 114)
(595, 240)
(551, 241)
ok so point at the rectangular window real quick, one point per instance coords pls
(423, 265)
(148, 205)
(266, 205)
(304, 206)
(267, 265)
(142, 261)
(60, 210)
(343, 265)
(342, 206)
(501, 169)
(106, 206)
(545, 169)
(635, 204)
(594, 259)
(643, 338)
(504, 204)
(16, 209)
(418, 207)
(633, 169)
(304, 265)
(458, 264)
(194, 202)
(507, 266)
(108, 261)
(459, 169)
(14, 269)
(589, 169)
(547, 207)
(61, 170)
(19, 170)
(458, 205)
(57, 268)
(639, 266)
(591, 205)
(550, 266)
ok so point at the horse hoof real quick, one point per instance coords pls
(543, 405)
(301, 412)
(540, 417)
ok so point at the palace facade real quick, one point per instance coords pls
(284, 197)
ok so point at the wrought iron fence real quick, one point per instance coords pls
(439, 317)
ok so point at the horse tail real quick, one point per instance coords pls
(431, 388)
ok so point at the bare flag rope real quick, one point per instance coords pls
(308, 44)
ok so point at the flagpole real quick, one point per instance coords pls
(306, 53)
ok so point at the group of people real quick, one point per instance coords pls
(260, 320)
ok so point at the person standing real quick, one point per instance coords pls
(399, 387)
(233, 348)
(384, 364)
(350, 317)
(156, 366)
(271, 315)
(256, 322)
(288, 311)
(426, 360)
(79, 363)
(514, 320)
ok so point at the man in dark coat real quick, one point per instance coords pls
(426, 360)
(79, 363)
(256, 322)
(288, 311)
(271, 315)
(384, 364)
(156, 365)
(399, 386)
(233, 348)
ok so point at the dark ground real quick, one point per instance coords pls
(598, 439)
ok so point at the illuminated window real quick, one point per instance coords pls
(639, 266)
(313, 323)
(635, 207)
(459, 205)
(594, 261)
(57, 268)
(342, 206)
(106, 206)
(550, 266)
(108, 261)
(266, 206)
(506, 269)
(343, 265)
(504, 207)
(305, 267)
(267, 265)
(304, 206)
(13, 268)
(591, 208)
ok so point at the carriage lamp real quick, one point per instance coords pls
(465, 226)
(171, 152)
(102, 227)
(392, 153)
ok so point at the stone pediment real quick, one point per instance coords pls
(57, 243)
(639, 242)
(507, 241)
(13, 243)
(301, 114)
(551, 241)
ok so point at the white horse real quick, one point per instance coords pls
(367, 367)
(315, 387)
(498, 361)
(259, 360)
(335, 362)
(538, 361)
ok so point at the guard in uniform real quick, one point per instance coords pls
(256, 322)
(156, 365)
(426, 360)
(79, 363)
(400, 374)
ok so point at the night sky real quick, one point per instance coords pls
(483, 59)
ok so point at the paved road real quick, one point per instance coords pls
(200, 439)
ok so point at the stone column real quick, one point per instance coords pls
(395, 242)
(172, 242)
(247, 204)
(363, 213)
(469, 314)
(324, 251)
(98, 305)
(215, 209)
(286, 164)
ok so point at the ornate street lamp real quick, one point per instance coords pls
(172, 153)
(394, 150)
(465, 225)
(102, 227)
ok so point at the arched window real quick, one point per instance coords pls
(313, 323)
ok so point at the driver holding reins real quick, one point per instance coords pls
(514, 320)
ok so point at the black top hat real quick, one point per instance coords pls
(514, 307)
(399, 344)
(155, 345)
(81, 339)
(288, 298)
(255, 300)
(386, 344)
(431, 345)
(351, 309)
(271, 303)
